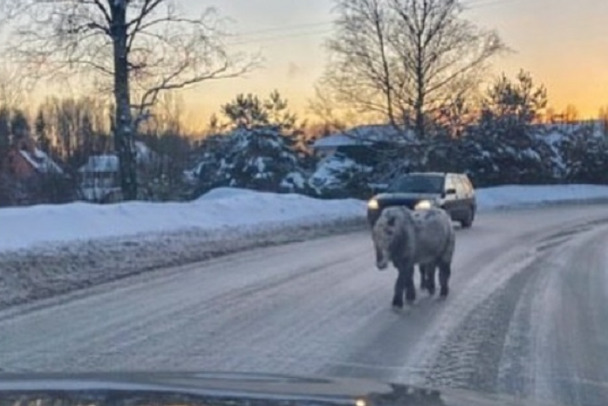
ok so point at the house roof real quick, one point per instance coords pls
(40, 161)
(364, 135)
(110, 162)
(101, 163)
(143, 152)
(338, 140)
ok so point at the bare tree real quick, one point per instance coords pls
(457, 116)
(570, 114)
(76, 127)
(603, 119)
(137, 48)
(167, 116)
(361, 63)
(12, 86)
(407, 59)
(323, 107)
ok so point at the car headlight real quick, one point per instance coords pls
(423, 205)
(373, 204)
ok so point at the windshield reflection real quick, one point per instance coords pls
(417, 184)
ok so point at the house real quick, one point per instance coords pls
(26, 161)
(99, 178)
(28, 175)
(361, 137)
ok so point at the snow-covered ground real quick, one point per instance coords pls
(227, 208)
(526, 315)
(50, 250)
(516, 196)
(219, 209)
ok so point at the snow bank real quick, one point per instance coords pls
(229, 208)
(219, 209)
(523, 196)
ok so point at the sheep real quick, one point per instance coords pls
(415, 237)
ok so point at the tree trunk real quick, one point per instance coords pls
(386, 70)
(123, 134)
(420, 91)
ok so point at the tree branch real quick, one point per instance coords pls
(104, 11)
(147, 9)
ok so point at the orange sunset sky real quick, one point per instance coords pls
(563, 43)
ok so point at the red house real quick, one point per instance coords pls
(25, 160)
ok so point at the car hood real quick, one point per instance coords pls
(220, 389)
(406, 196)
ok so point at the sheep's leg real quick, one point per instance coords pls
(408, 279)
(429, 275)
(423, 276)
(399, 286)
(444, 278)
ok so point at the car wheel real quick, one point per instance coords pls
(468, 221)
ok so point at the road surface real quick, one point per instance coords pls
(527, 314)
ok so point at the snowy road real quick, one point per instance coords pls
(527, 314)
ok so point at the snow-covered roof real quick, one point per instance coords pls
(338, 140)
(143, 152)
(110, 162)
(364, 135)
(40, 161)
(101, 163)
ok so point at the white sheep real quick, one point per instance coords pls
(408, 238)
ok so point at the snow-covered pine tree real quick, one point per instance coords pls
(585, 156)
(504, 148)
(262, 158)
(260, 152)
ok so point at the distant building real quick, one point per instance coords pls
(99, 178)
(25, 161)
(360, 137)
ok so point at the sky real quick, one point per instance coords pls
(563, 43)
(289, 35)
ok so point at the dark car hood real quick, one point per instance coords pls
(406, 196)
(226, 390)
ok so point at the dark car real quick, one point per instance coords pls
(418, 191)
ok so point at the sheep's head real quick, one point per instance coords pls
(385, 232)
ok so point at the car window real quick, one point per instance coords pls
(417, 184)
(468, 186)
(461, 186)
(449, 183)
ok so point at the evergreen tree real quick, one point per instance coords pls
(5, 133)
(505, 148)
(513, 104)
(20, 126)
(260, 158)
(260, 152)
(245, 111)
(40, 131)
